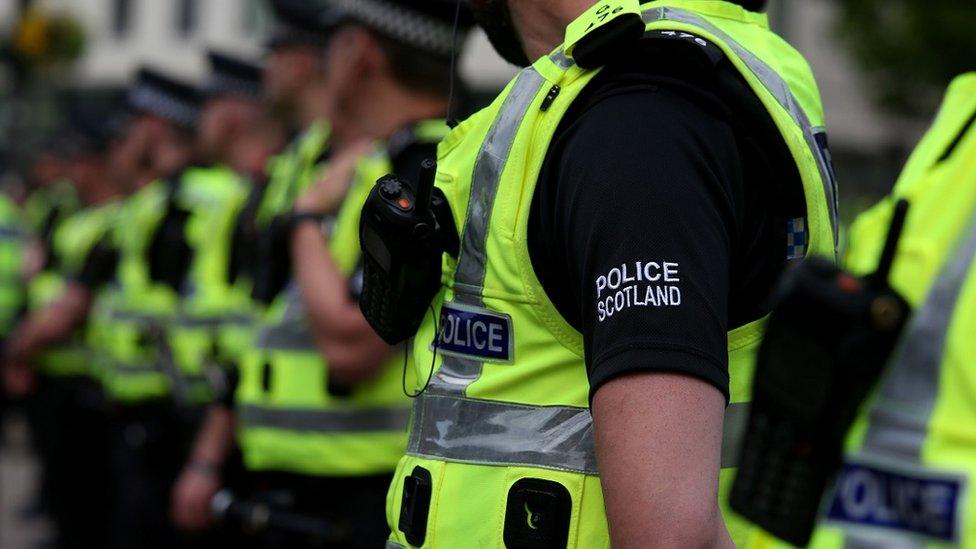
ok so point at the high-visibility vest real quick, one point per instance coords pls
(138, 359)
(289, 417)
(209, 306)
(910, 461)
(46, 208)
(292, 171)
(13, 240)
(72, 241)
(509, 396)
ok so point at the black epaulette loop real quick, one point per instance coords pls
(714, 53)
(601, 46)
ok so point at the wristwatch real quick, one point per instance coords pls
(325, 222)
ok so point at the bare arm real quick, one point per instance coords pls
(659, 438)
(200, 480)
(50, 325)
(354, 351)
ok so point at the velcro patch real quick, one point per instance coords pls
(909, 499)
(474, 332)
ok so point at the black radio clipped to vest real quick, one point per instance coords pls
(404, 233)
(828, 339)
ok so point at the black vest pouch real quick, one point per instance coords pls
(169, 254)
(828, 339)
(415, 506)
(537, 515)
(273, 269)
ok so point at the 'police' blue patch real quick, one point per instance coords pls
(473, 332)
(914, 501)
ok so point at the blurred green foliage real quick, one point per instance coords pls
(910, 49)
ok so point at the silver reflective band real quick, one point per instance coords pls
(292, 332)
(187, 321)
(286, 338)
(133, 316)
(774, 83)
(486, 432)
(898, 421)
(325, 421)
(407, 25)
(390, 544)
(456, 373)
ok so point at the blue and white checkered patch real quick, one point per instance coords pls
(797, 237)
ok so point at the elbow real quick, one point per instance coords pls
(352, 363)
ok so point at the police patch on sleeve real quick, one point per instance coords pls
(654, 283)
(474, 332)
(906, 499)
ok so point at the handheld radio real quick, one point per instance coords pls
(404, 233)
(829, 337)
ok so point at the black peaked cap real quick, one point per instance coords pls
(425, 24)
(299, 23)
(156, 93)
(232, 76)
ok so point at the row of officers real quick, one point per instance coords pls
(609, 314)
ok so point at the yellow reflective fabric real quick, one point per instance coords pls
(484, 424)
(72, 241)
(293, 171)
(939, 439)
(126, 314)
(210, 304)
(13, 239)
(290, 418)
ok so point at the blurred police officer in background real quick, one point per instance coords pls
(624, 208)
(52, 197)
(151, 402)
(311, 429)
(293, 82)
(68, 423)
(910, 455)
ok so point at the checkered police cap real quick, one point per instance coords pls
(156, 93)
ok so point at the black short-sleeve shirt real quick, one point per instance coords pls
(659, 219)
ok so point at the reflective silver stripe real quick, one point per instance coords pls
(456, 373)
(775, 84)
(136, 317)
(899, 418)
(487, 432)
(128, 369)
(292, 332)
(285, 338)
(187, 321)
(559, 58)
(390, 544)
(906, 398)
(325, 421)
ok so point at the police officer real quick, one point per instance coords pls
(624, 207)
(53, 197)
(317, 428)
(214, 195)
(151, 402)
(69, 424)
(294, 84)
(910, 454)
